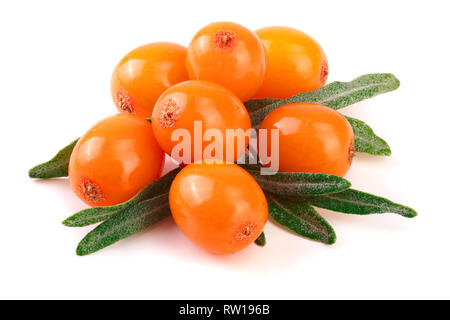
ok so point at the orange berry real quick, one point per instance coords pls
(211, 104)
(312, 138)
(144, 73)
(295, 63)
(219, 207)
(114, 160)
(228, 54)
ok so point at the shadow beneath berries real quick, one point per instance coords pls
(61, 188)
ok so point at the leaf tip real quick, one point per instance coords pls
(72, 221)
(407, 212)
(346, 184)
(396, 81)
(33, 172)
(386, 152)
(332, 238)
(342, 184)
(68, 222)
(80, 253)
(261, 240)
(81, 250)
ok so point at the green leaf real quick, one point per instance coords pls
(335, 95)
(128, 222)
(96, 214)
(58, 166)
(366, 140)
(301, 219)
(298, 183)
(261, 240)
(358, 202)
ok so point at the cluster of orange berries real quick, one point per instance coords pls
(218, 206)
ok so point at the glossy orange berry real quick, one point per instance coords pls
(295, 63)
(199, 102)
(219, 207)
(228, 54)
(312, 138)
(114, 160)
(144, 73)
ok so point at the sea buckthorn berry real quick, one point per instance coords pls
(312, 138)
(198, 106)
(144, 73)
(295, 63)
(114, 160)
(219, 207)
(228, 54)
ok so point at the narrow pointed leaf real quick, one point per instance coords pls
(301, 219)
(358, 202)
(128, 222)
(366, 140)
(261, 240)
(335, 95)
(58, 166)
(97, 214)
(298, 183)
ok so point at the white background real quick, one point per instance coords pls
(56, 60)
